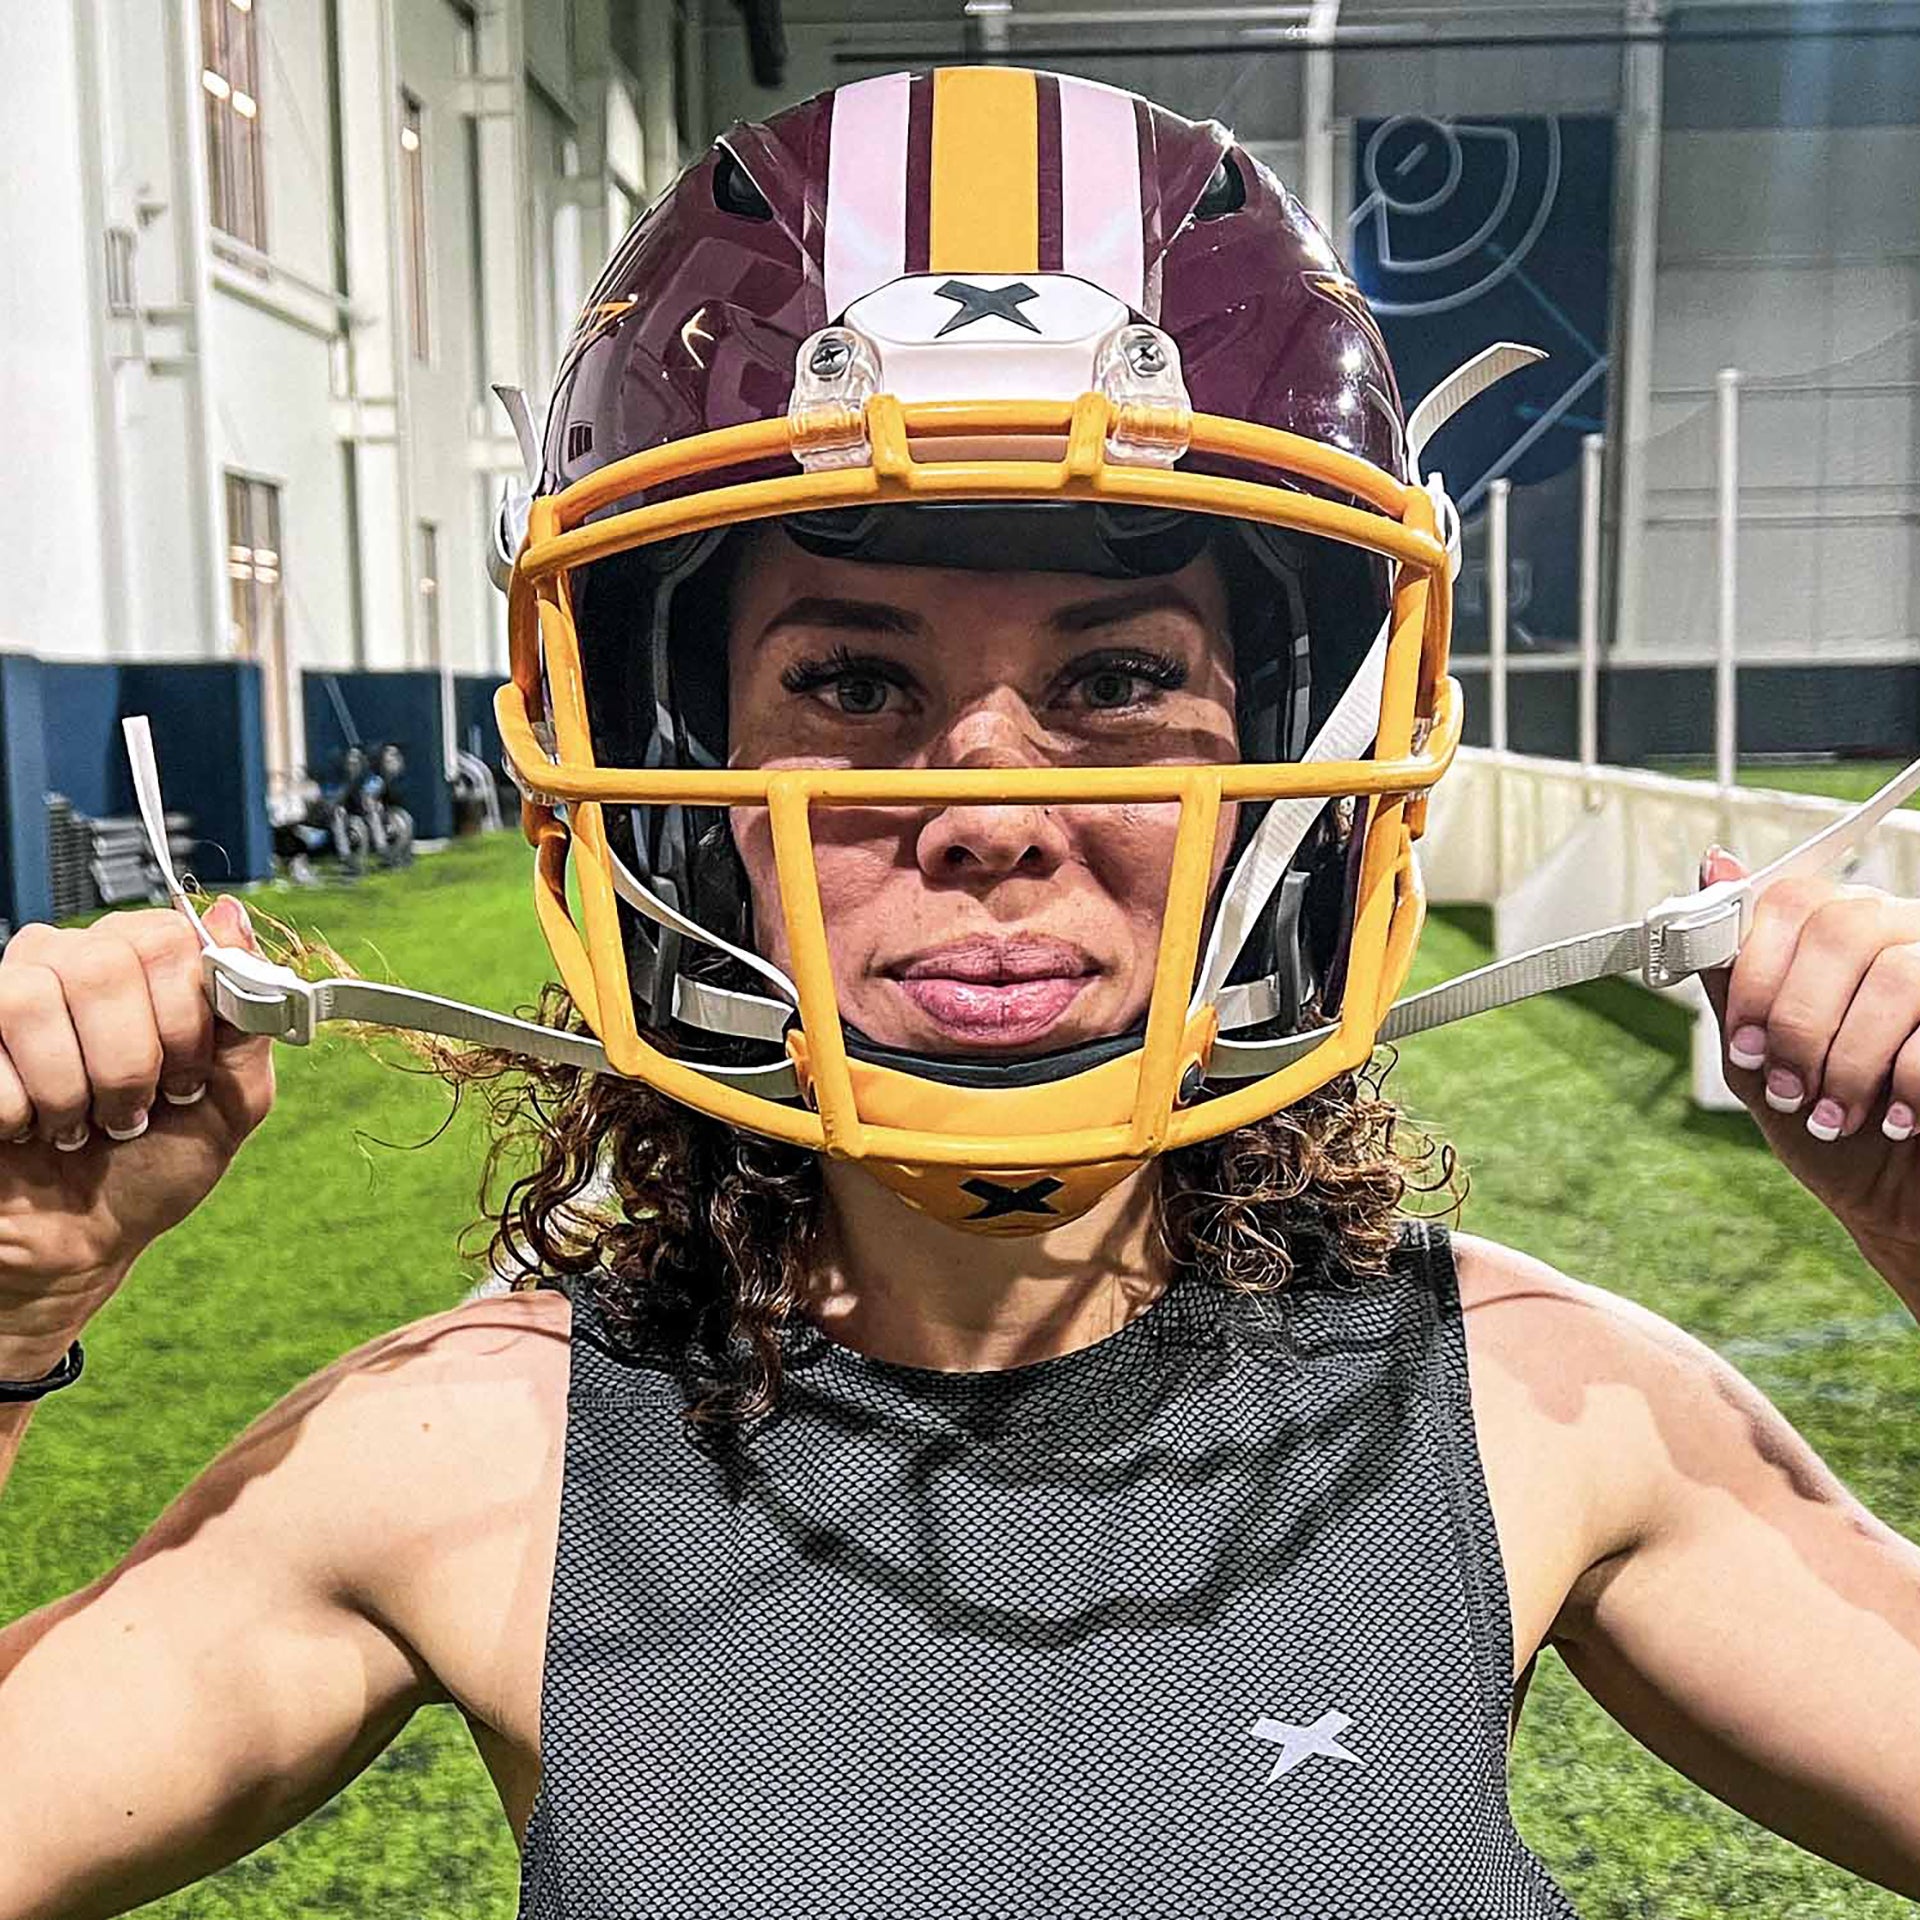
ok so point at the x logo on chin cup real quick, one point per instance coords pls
(996, 1200)
(980, 303)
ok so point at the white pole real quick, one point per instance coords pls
(1497, 494)
(1725, 731)
(1591, 448)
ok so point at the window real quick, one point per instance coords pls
(256, 613)
(430, 590)
(230, 84)
(413, 184)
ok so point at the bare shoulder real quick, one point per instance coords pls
(453, 1413)
(1567, 1339)
(1573, 1389)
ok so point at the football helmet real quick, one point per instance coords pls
(985, 317)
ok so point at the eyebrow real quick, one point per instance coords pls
(846, 616)
(878, 616)
(1085, 615)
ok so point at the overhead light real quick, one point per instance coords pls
(214, 84)
(243, 104)
(409, 140)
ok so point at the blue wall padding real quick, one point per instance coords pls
(81, 708)
(473, 707)
(210, 740)
(402, 707)
(60, 733)
(26, 883)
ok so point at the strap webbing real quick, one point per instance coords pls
(1683, 935)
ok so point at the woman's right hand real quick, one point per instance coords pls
(107, 1030)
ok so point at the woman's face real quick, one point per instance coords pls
(971, 930)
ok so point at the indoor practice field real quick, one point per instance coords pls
(1571, 1116)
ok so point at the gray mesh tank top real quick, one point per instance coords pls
(1207, 1619)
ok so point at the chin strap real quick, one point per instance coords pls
(1684, 935)
(1687, 933)
(258, 995)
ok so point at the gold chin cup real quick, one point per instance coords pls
(1060, 1144)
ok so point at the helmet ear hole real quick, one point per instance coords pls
(734, 191)
(1225, 193)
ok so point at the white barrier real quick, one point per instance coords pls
(1597, 847)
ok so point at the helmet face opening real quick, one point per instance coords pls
(994, 410)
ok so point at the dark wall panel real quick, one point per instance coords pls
(210, 743)
(402, 707)
(86, 758)
(1654, 712)
(26, 884)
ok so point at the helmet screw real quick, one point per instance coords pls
(830, 359)
(1192, 1083)
(1144, 354)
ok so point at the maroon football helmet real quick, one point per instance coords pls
(994, 318)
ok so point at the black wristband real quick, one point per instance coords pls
(64, 1375)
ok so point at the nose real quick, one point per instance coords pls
(991, 841)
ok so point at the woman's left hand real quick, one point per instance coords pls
(1820, 1032)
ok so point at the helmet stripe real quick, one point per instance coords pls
(1100, 189)
(1048, 97)
(866, 238)
(985, 213)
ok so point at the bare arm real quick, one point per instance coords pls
(1754, 1625)
(230, 1676)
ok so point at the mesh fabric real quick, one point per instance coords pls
(997, 1644)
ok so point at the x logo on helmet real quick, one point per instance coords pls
(981, 303)
(996, 1200)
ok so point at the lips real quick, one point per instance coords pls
(1009, 992)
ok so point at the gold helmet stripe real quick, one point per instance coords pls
(985, 176)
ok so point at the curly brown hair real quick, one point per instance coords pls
(697, 1241)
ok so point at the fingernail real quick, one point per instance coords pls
(1826, 1120)
(1899, 1121)
(1748, 1048)
(75, 1137)
(133, 1132)
(175, 1098)
(21, 1138)
(1784, 1093)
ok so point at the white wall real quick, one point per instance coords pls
(283, 363)
(443, 392)
(1793, 254)
(50, 550)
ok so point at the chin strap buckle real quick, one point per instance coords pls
(1689, 933)
(258, 995)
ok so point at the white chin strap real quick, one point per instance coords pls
(1683, 935)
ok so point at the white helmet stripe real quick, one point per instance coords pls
(866, 237)
(1101, 237)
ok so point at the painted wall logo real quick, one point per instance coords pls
(1467, 231)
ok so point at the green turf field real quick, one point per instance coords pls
(1571, 1114)
(1838, 779)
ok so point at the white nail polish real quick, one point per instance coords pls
(127, 1133)
(1820, 1130)
(1781, 1105)
(183, 1099)
(1749, 1062)
(71, 1142)
(1895, 1133)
